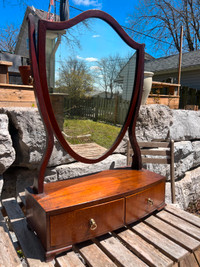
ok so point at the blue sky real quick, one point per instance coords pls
(12, 11)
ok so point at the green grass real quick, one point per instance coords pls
(101, 133)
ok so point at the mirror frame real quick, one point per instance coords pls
(45, 25)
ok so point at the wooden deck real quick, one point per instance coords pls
(170, 237)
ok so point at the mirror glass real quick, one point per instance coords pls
(90, 76)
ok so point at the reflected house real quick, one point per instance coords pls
(52, 42)
(126, 76)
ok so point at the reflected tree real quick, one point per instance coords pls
(75, 78)
(109, 68)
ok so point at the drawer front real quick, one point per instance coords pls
(79, 225)
(143, 203)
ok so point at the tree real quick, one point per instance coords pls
(109, 68)
(75, 78)
(8, 38)
(162, 19)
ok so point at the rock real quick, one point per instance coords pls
(29, 139)
(182, 150)
(196, 151)
(153, 122)
(78, 169)
(7, 152)
(16, 179)
(162, 169)
(122, 147)
(186, 125)
(183, 157)
(188, 188)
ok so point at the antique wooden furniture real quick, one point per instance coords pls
(66, 212)
(170, 238)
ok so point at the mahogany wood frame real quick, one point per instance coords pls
(37, 57)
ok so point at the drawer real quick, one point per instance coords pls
(143, 203)
(80, 225)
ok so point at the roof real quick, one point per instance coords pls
(190, 60)
(40, 14)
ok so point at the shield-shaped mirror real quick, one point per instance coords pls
(90, 74)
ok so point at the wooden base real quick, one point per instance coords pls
(75, 210)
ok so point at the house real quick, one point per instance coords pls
(166, 69)
(52, 42)
(126, 76)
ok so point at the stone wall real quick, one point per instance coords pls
(22, 142)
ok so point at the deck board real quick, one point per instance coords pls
(169, 248)
(118, 252)
(181, 224)
(94, 256)
(70, 259)
(168, 238)
(174, 234)
(143, 249)
(8, 255)
(191, 218)
(29, 242)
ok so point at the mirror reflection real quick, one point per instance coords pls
(90, 75)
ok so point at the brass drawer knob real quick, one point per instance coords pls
(93, 224)
(150, 201)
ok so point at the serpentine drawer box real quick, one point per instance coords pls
(76, 210)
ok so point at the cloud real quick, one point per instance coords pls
(94, 3)
(80, 57)
(89, 59)
(95, 68)
(96, 36)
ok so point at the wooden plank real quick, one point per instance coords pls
(147, 252)
(117, 252)
(155, 152)
(174, 234)
(168, 247)
(168, 100)
(189, 261)
(28, 104)
(15, 86)
(8, 255)
(154, 144)
(16, 95)
(94, 256)
(163, 84)
(30, 244)
(156, 160)
(193, 219)
(181, 224)
(197, 255)
(69, 260)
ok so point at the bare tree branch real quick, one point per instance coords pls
(163, 20)
(8, 38)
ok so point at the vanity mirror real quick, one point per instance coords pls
(95, 72)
